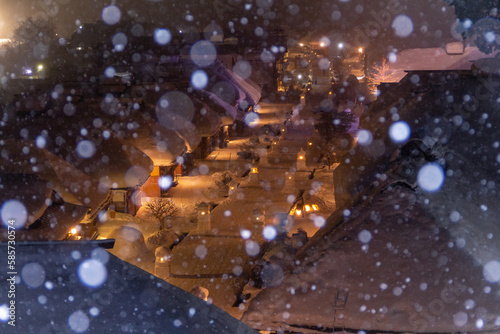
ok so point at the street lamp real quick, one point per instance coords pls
(340, 45)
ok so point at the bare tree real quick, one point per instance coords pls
(33, 31)
(161, 209)
(378, 74)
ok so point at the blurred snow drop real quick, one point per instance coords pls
(85, 149)
(136, 175)
(252, 248)
(402, 25)
(430, 177)
(13, 213)
(92, 273)
(94, 311)
(252, 119)
(162, 36)
(489, 37)
(243, 69)
(4, 313)
(78, 322)
(397, 291)
(165, 182)
(460, 319)
(392, 57)
(119, 41)
(491, 271)
(33, 275)
(319, 221)
(399, 131)
(267, 56)
(364, 137)
(42, 299)
(69, 109)
(203, 53)
(111, 14)
(100, 255)
(199, 79)
(324, 64)
(245, 234)
(201, 251)
(41, 142)
(365, 236)
(269, 233)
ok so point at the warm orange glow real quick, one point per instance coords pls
(301, 157)
(73, 230)
(315, 207)
(309, 143)
(255, 170)
(307, 208)
(360, 50)
(203, 213)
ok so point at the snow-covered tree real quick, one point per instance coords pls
(161, 209)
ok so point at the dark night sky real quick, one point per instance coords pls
(432, 19)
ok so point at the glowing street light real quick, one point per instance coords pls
(301, 44)
(340, 45)
(360, 50)
(322, 44)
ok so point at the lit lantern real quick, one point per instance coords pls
(301, 208)
(301, 160)
(255, 170)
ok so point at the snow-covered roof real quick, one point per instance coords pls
(434, 59)
(399, 271)
(58, 280)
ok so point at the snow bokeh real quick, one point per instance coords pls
(13, 213)
(430, 177)
(92, 273)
